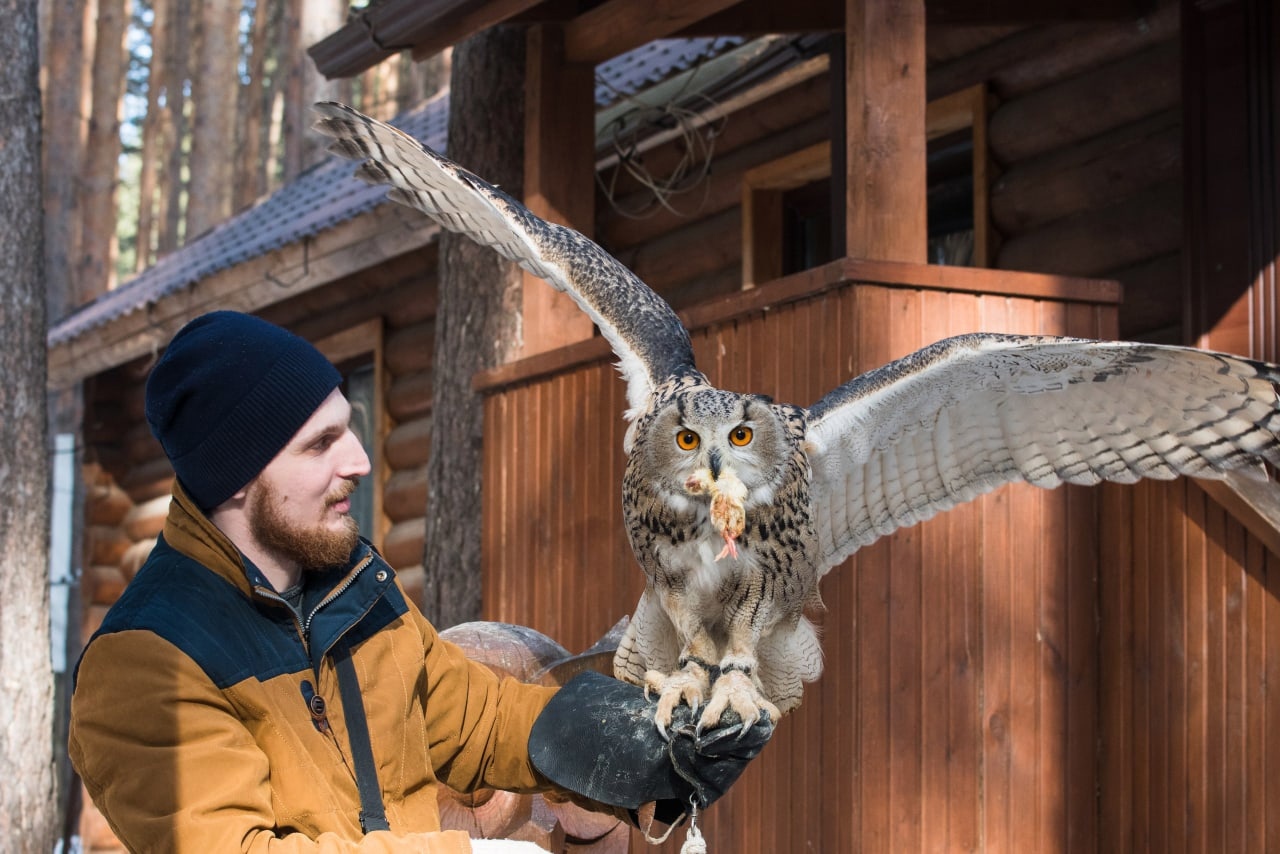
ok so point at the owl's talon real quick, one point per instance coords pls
(738, 691)
(688, 685)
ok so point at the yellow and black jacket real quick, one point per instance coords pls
(190, 722)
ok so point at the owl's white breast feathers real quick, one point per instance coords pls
(964, 416)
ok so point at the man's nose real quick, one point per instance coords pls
(355, 460)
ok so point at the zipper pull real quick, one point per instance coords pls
(317, 708)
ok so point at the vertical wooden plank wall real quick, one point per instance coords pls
(1190, 616)
(959, 705)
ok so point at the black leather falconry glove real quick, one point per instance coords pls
(597, 738)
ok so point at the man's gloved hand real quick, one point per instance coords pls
(597, 738)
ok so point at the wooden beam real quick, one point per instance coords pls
(886, 214)
(1020, 12)
(617, 26)
(758, 17)
(559, 176)
(358, 244)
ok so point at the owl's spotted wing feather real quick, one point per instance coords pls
(959, 418)
(646, 335)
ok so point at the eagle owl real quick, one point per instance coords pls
(736, 506)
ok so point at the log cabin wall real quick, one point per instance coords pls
(959, 704)
(1085, 144)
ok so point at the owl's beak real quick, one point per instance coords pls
(715, 463)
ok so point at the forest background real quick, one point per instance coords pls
(143, 100)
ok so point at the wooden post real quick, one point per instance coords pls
(559, 176)
(885, 200)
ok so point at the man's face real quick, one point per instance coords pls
(299, 505)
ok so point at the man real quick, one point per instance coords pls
(264, 682)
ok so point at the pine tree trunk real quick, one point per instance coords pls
(178, 44)
(248, 181)
(152, 141)
(95, 269)
(313, 20)
(213, 126)
(27, 799)
(64, 110)
(269, 164)
(477, 324)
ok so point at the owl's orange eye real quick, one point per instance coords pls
(740, 436)
(687, 440)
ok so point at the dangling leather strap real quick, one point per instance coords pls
(372, 815)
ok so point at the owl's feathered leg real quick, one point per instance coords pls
(690, 683)
(738, 685)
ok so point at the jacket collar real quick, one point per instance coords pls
(360, 584)
(190, 532)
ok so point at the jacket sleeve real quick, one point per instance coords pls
(477, 723)
(172, 768)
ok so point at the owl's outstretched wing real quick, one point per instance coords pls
(961, 417)
(646, 335)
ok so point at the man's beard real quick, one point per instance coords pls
(313, 547)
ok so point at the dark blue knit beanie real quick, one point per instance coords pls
(228, 394)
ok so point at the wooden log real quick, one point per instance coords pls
(711, 245)
(519, 650)
(410, 396)
(409, 444)
(146, 520)
(809, 98)
(402, 546)
(102, 585)
(1090, 243)
(402, 290)
(411, 349)
(949, 42)
(1084, 106)
(1036, 57)
(134, 557)
(105, 544)
(1152, 296)
(721, 190)
(405, 494)
(148, 480)
(105, 503)
(717, 283)
(1098, 173)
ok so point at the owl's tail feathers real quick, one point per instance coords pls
(789, 658)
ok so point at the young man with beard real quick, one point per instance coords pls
(264, 683)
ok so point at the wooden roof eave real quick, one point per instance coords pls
(359, 243)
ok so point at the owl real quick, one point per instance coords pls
(736, 505)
